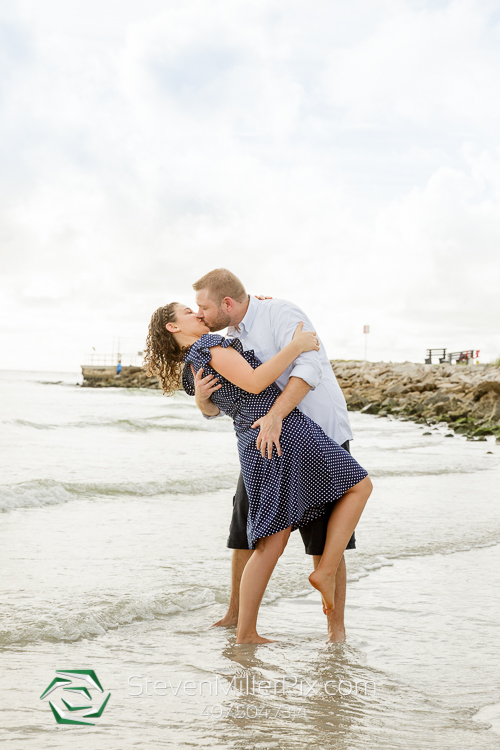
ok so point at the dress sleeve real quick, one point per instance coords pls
(199, 354)
(235, 343)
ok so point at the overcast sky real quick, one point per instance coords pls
(344, 155)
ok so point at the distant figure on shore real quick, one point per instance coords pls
(295, 474)
(119, 367)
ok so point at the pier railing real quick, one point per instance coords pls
(111, 360)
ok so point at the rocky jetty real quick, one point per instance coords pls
(129, 377)
(467, 397)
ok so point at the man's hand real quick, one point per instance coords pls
(203, 389)
(270, 425)
(204, 386)
(270, 430)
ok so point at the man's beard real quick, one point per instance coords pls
(221, 321)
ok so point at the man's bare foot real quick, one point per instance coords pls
(325, 584)
(228, 621)
(253, 639)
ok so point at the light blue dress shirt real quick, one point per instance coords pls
(267, 327)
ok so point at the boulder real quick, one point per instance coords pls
(370, 409)
(488, 386)
(395, 390)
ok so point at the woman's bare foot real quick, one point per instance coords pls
(254, 638)
(325, 584)
(228, 621)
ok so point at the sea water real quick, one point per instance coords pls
(115, 507)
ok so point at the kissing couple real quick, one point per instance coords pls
(271, 375)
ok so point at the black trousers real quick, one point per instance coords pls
(313, 535)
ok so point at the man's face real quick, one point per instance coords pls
(216, 318)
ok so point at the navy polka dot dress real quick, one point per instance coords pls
(288, 490)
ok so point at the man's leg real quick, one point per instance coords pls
(341, 524)
(335, 619)
(238, 542)
(239, 561)
(314, 537)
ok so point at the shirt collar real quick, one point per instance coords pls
(247, 322)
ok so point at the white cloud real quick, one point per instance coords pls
(345, 157)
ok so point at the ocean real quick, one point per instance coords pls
(115, 507)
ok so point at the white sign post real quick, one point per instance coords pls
(366, 331)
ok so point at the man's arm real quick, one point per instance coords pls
(203, 389)
(270, 425)
(306, 373)
(307, 365)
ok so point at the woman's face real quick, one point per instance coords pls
(189, 323)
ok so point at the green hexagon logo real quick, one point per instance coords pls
(76, 688)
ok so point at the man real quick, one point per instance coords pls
(309, 384)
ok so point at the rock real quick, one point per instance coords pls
(427, 433)
(389, 403)
(449, 434)
(486, 386)
(395, 390)
(483, 431)
(355, 401)
(495, 412)
(437, 398)
(370, 409)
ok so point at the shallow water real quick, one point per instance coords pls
(116, 506)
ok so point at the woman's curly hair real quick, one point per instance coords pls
(163, 355)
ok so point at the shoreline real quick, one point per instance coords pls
(466, 397)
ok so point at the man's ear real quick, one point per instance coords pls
(229, 303)
(172, 328)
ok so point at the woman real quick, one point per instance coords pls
(295, 485)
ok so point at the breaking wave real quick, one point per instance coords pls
(96, 620)
(41, 492)
(162, 423)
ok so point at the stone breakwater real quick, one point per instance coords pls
(466, 397)
(130, 377)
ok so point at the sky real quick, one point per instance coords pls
(345, 156)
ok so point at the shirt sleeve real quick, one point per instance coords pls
(284, 320)
(213, 416)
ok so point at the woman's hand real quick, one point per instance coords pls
(307, 340)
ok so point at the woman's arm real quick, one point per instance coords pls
(234, 367)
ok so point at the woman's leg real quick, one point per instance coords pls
(342, 522)
(254, 580)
